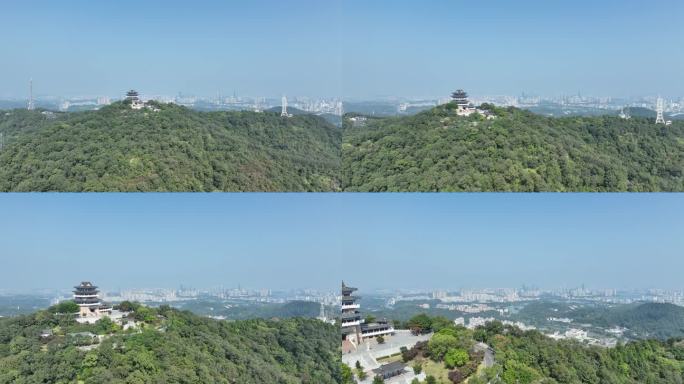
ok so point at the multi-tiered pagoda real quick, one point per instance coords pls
(87, 297)
(133, 98)
(132, 95)
(353, 326)
(351, 317)
(460, 98)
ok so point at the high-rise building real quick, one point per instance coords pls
(283, 111)
(659, 111)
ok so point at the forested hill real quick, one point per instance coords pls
(173, 149)
(436, 150)
(644, 320)
(530, 357)
(167, 346)
(177, 149)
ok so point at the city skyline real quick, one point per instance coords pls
(348, 49)
(235, 287)
(577, 104)
(220, 95)
(289, 241)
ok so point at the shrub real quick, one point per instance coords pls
(456, 358)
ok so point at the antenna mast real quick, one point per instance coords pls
(31, 104)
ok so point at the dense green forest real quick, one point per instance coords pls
(177, 149)
(527, 357)
(642, 320)
(168, 346)
(174, 149)
(648, 320)
(516, 151)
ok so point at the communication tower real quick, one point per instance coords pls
(31, 104)
(659, 111)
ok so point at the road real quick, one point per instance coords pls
(488, 360)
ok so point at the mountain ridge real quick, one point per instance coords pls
(436, 150)
(172, 149)
(178, 149)
(167, 345)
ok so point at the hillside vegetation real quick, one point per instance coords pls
(517, 151)
(641, 320)
(174, 149)
(647, 320)
(529, 357)
(178, 149)
(168, 346)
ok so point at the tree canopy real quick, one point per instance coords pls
(174, 149)
(529, 357)
(169, 346)
(436, 150)
(178, 149)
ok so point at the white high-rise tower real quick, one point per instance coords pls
(283, 111)
(31, 105)
(321, 314)
(624, 114)
(659, 111)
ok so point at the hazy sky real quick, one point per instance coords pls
(349, 48)
(315, 240)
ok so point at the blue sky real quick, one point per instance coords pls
(348, 48)
(373, 241)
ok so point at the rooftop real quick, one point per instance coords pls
(375, 326)
(459, 94)
(87, 285)
(347, 290)
(392, 367)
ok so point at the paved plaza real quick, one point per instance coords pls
(368, 352)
